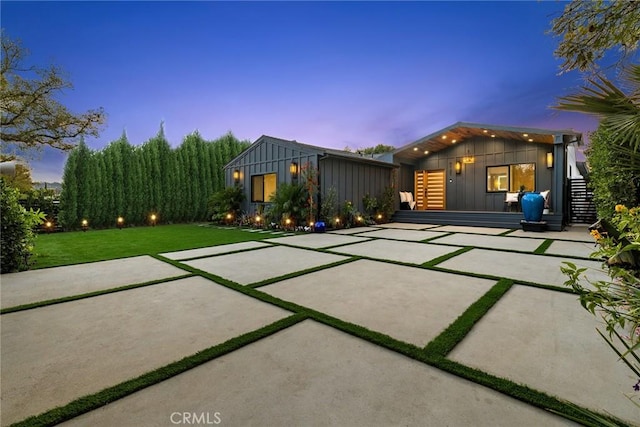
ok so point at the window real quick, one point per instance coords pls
(512, 177)
(262, 187)
(497, 178)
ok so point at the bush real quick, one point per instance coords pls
(329, 206)
(17, 236)
(611, 181)
(617, 300)
(290, 201)
(226, 201)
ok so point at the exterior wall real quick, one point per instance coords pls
(269, 156)
(353, 180)
(468, 190)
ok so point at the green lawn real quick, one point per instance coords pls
(98, 245)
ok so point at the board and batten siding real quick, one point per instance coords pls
(468, 190)
(268, 156)
(353, 180)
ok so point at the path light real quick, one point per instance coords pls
(287, 221)
(48, 226)
(153, 219)
(85, 225)
(258, 219)
(120, 222)
(359, 219)
(379, 216)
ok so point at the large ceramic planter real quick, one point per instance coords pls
(532, 207)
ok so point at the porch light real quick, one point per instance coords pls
(293, 168)
(120, 222)
(549, 160)
(236, 176)
(458, 167)
(85, 225)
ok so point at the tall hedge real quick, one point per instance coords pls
(137, 181)
(610, 178)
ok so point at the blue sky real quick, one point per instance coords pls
(334, 74)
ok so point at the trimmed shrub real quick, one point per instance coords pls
(17, 236)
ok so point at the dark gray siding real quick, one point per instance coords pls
(353, 180)
(468, 190)
(267, 156)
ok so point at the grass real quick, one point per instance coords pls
(98, 245)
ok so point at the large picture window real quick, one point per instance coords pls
(512, 177)
(262, 187)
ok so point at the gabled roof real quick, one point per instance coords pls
(311, 149)
(462, 131)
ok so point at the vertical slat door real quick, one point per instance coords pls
(419, 189)
(435, 183)
(430, 190)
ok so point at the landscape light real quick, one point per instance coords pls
(153, 219)
(85, 225)
(120, 222)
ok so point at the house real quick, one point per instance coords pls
(270, 161)
(464, 174)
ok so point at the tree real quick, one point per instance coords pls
(619, 111)
(589, 29)
(21, 180)
(31, 117)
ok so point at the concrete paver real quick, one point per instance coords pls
(409, 304)
(406, 225)
(317, 240)
(581, 249)
(260, 264)
(495, 242)
(471, 230)
(214, 250)
(547, 340)
(410, 252)
(531, 268)
(50, 283)
(353, 230)
(52, 355)
(578, 234)
(400, 234)
(313, 375)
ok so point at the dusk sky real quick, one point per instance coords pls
(333, 74)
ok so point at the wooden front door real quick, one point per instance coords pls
(430, 189)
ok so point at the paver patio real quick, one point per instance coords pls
(576, 233)
(50, 283)
(409, 304)
(52, 355)
(530, 336)
(313, 375)
(259, 264)
(495, 242)
(410, 252)
(354, 230)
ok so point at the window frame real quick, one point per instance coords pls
(509, 167)
(265, 197)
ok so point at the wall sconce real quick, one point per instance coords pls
(293, 168)
(549, 160)
(236, 176)
(458, 167)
